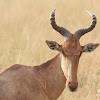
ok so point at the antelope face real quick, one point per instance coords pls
(71, 50)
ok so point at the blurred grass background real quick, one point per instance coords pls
(25, 25)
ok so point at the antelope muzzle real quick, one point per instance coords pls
(72, 86)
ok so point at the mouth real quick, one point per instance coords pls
(72, 89)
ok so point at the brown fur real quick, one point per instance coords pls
(21, 82)
(46, 81)
(71, 54)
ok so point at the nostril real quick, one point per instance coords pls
(72, 88)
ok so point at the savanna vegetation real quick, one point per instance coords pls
(25, 25)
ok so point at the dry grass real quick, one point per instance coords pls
(25, 25)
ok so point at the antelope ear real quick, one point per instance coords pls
(53, 45)
(90, 47)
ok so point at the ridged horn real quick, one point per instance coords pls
(64, 32)
(83, 31)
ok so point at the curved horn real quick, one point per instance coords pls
(59, 29)
(83, 31)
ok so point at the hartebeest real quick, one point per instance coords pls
(48, 80)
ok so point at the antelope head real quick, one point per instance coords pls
(71, 49)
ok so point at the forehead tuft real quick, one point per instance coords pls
(71, 45)
(72, 40)
(72, 37)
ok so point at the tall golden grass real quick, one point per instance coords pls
(25, 25)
